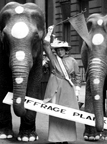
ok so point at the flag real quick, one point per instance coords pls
(79, 24)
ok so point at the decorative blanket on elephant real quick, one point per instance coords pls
(56, 110)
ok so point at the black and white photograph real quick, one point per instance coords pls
(53, 72)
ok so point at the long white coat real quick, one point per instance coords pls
(59, 91)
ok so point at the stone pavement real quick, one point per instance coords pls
(42, 130)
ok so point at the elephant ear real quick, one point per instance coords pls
(79, 24)
(0, 37)
(1, 41)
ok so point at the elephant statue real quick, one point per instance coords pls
(22, 29)
(94, 58)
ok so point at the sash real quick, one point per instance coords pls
(64, 71)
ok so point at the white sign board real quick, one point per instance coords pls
(56, 110)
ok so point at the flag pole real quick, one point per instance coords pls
(71, 17)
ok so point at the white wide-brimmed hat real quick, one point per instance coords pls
(57, 44)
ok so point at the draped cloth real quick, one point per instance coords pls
(79, 24)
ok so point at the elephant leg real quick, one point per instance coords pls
(27, 130)
(5, 86)
(5, 118)
(104, 133)
(90, 133)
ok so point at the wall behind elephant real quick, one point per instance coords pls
(40, 3)
(20, 1)
(98, 6)
(2, 3)
(95, 6)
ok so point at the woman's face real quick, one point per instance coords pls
(61, 52)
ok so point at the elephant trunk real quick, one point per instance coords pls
(20, 64)
(97, 73)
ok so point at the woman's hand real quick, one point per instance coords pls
(48, 35)
(50, 29)
(77, 92)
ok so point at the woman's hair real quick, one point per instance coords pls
(65, 48)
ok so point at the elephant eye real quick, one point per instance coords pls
(36, 36)
(89, 25)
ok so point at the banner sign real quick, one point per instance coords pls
(79, 24)
(56, 110)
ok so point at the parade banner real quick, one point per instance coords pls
(56, 110)
(79, 24)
